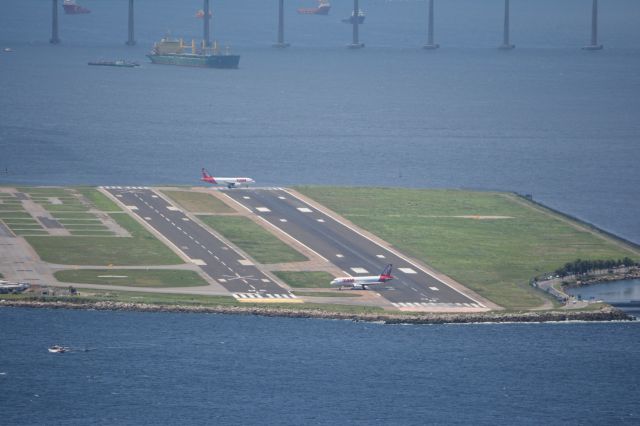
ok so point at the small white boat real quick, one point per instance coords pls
(57, 349)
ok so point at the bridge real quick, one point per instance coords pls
(355, 41)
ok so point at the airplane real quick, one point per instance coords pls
(231, 182)
(361, 283)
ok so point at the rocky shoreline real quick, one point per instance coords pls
(607, 313)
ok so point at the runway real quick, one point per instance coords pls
(217, 259)
(353, 252)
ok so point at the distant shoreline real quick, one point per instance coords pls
(607, 313)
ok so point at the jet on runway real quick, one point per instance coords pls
(231, 182)
(361, 283)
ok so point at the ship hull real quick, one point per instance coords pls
(321, 10)
(74, 9)
(203, 61)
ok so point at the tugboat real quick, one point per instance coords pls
(117, 63)
(323, 9)
(360, 17)
(175, 52)
(72, 8)
(57, 349)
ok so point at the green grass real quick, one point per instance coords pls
(99, 200)
(66, 222)
(24, 226)
(495, 258)
(45, 191)
(141, 249)
(132, 277)
(76, 207)
(11, 207)
(14, 215)
(253, 239)
(73, 215)
(92, 233)
(20, 220)
(33, 232)
(305, 279)
(199, 202)
(81, 226)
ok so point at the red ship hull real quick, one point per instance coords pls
(321, 10)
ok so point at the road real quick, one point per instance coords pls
(348, 249)
(216, 258)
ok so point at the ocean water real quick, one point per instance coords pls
(547, 118)
(157, 368)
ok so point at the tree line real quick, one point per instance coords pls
(581, 267)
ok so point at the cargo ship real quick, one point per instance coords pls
(322, 9)
(351, 19)
(72, 8)
(175, 52)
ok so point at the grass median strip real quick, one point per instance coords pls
(253, 239)
(132, 277)
(141, 248)
(98, 199)
(313, 279)
(199, 202)
(488, 241)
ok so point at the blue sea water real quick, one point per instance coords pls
(163, 368)
(546, 118)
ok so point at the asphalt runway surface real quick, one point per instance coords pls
(217, 259)
(351, 251)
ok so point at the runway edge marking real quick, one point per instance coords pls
(380, 245)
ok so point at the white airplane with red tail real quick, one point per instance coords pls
(361, 283)
(231, 182)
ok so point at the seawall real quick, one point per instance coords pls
(607, 313)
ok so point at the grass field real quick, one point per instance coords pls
(141, 249)
(305, 279)
(132, 277)
(199, 202)
(74, 215)
(98, 199)
(494, 257)
(253, 239)
(14, 215)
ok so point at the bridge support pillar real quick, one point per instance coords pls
(281, 42)
(206, 31)
(430, 43)
(506, 45)
(355, 42)
(54, 23)
(594, 28)
(130, 39)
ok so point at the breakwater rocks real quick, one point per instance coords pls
(605, 314)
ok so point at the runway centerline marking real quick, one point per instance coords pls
(407, 270)
(358, 270)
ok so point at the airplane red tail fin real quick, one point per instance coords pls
(386, 273)
(207, 177)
